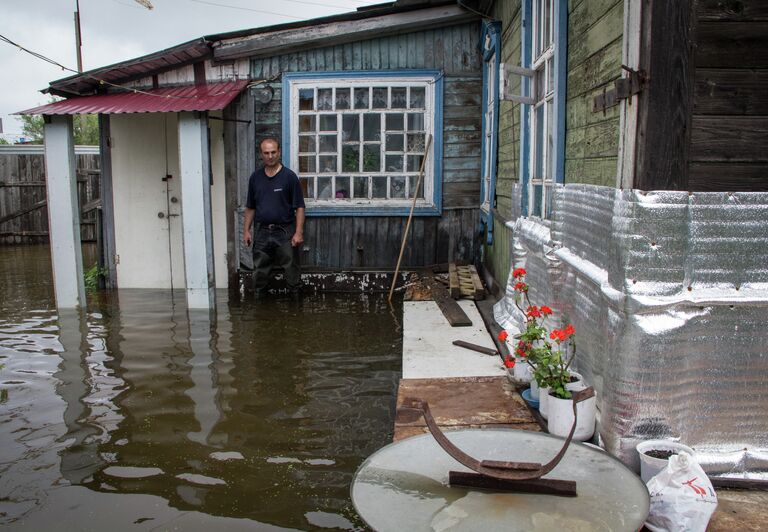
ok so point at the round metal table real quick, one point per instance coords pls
(404, 486)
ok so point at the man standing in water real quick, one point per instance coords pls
(275, 202)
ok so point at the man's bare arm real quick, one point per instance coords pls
(298, 236)
(247, 224)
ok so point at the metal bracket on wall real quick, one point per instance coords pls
(623, 89)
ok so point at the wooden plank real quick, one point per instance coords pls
(23, 211)
(737, 138)
(743, 10)
(477, 283)
(666, 102)
(341, 32)
(732, 44)
(453, 280)
(22, 184)
(450, 309)
(728, 177)
(475, 347)
(731, 92)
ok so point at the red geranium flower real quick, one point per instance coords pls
(519, 272)
(545, 310)
(521, 287)
(509, 362)
(533, 312)
(503, 335)
(569, 330)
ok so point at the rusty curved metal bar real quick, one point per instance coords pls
(491, 468)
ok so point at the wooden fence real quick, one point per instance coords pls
(23, 203)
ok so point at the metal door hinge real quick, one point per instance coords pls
(623, 89)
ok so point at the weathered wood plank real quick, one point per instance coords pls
(731, 92)
(732, 44)
(453, 281)
(728, 177)
(740, 139)
(666, 103)
(733, 10)
(450, 309)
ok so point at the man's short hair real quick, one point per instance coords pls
(269, 139)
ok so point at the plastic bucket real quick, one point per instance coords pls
(650, 466)
(561, 417)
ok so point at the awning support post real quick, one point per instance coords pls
(197, 230)
(63, 212)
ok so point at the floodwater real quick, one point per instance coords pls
(140, 415)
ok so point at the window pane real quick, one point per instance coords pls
(379, 189)
(327, 163)
(350, 158)
(546, 22)
(372, 158)
(350, 128)
(306, 99)
(394, 122)
(342, 187)
(415, 122)
(394, 163)
(417, 98)
(548, 193)
(306, 124)
(539, 162)
(307, 186)
(342, 98)
(327, 122)
(414, 163)
(324, 99)
(361, 187)
(361, 98)
(328, 143)
(307, 164)
(307, 143)
(416, 143)
(550, 75)
(399, 95)
(398, 186)
(372, 127)
(541, 85)
(548, 168)
(537, 200)
(324, 187)
(394, 142)
(420, 192)
(380, 98)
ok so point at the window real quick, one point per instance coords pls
(357, 141)
(541, 129)
(490, 44)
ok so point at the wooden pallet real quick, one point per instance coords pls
(465, 283)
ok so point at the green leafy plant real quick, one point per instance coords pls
(92, 276)
(546, 352)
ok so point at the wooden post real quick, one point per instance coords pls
(63, 213)
(107, 200)
(410, 217)
(196, 210)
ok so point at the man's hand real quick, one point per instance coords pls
(297, 239)
(247, 237)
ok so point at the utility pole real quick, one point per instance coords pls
(78, 39)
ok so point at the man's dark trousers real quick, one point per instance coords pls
(272, 247)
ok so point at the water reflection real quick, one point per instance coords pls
(257, 414)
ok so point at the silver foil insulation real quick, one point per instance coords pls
(668, 292)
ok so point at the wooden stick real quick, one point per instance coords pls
(410, 216)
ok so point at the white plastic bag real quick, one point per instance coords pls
(682, 497)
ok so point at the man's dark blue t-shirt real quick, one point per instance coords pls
(274, 198)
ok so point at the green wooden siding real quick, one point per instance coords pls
(498, 257)
(508, 167)
(595, 36)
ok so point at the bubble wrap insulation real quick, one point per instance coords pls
(668, 292)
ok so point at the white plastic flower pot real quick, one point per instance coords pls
(522, 371)
(561, 417)
(544, 402)
(534, 389)
(651, 466)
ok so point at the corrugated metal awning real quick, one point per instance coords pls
(207, 97)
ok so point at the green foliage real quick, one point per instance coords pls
(92, 276)
(85, 129)
(3, 142)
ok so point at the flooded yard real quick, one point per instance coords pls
(139, 414)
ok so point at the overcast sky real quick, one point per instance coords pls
(116, 30)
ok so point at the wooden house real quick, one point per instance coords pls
(625, 167)
(353, 98)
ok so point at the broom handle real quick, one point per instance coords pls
(410, 216)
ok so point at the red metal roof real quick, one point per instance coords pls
(208, 97)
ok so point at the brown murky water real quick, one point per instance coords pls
(141, 415)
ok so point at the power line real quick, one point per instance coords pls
(246, 9)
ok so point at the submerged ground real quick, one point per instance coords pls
(139, 414)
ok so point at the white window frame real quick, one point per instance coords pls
(429, 80)
(489, 146)
(541, 120)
